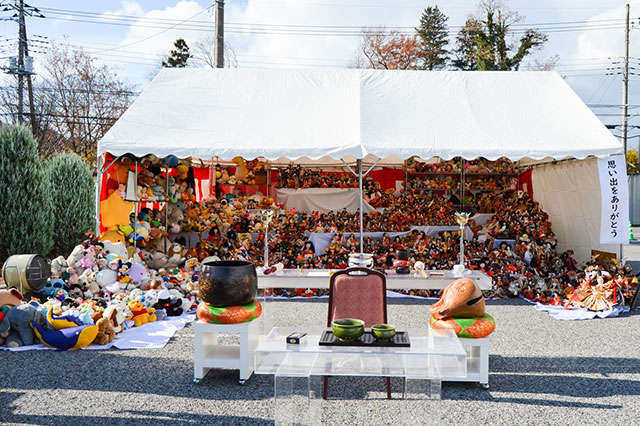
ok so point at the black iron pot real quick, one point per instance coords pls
(228, 282)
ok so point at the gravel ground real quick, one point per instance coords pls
(542, 372)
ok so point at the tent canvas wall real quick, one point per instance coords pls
(344, 115)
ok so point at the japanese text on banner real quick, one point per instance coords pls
(614, 189)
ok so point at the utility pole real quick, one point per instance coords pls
(22, 41)
(22, 66)
(22, 37)
(219, 46)
(625, 86)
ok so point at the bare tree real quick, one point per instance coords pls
(203, 54)
(548, 64)
(76, 102)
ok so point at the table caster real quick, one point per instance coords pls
(196, 381)
(485, 386)
(242, 382)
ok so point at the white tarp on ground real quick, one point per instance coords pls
(346, 113)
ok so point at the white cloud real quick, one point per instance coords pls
(146, 37)
(271, 49)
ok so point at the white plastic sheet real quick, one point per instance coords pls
(322, 199)
(347, 114)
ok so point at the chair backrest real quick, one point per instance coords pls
(358, 293)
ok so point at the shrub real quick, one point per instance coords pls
(73, 199)
(26, 217)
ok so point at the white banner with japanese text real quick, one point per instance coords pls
(614, 189)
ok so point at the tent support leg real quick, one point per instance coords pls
(98, 190)
(360, 186)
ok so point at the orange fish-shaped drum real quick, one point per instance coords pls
(461, 299)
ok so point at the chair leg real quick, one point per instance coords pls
(324, 387)
(388, 387)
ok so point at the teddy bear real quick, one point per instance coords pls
(75, 266)
(89, 283)
(59, 268)
(16, 325)
(116, 314)
(139, 314)
(106, 333)
(175, 256)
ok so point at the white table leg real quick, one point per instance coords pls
(422, 402)
(484, 363)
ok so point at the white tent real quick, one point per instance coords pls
(343, 113)
(331, 115)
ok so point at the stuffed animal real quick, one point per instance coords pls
(51, 287)
(139, 314)
(172, 305)
(66, 338)
(75, 266)
(116, 315)
(106, 333)
(16, 328)
(175, 256)
(59, 268)
(112, 250)
(8, 299)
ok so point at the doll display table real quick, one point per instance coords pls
(209, 354)
(319, 278)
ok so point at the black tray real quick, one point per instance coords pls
(400, 340)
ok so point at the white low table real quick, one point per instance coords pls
(477, 362)
(209, 354)
(319, 278)
(433, 354)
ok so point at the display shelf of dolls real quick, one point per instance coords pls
(210, 354)
(477, 362)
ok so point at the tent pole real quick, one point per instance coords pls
(166, 207)
(360, 184)
(98, 189)
(135, 211)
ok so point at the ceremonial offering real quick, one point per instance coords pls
(348, 328)
(401, 339)
(383, 331)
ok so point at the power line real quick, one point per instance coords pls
(81, 117)
(63, 89)
(108, 16)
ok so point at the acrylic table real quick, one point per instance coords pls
(299, 371)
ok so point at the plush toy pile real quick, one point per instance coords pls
(99, 290)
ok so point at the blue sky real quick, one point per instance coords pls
(132, 35)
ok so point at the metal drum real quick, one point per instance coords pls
(228, 282)
(26, 271)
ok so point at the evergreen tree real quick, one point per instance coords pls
(26, 222)
(73, 199)
(433, 31)
(179, 56)
(483, 43)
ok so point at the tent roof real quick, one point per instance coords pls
(348, 114)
